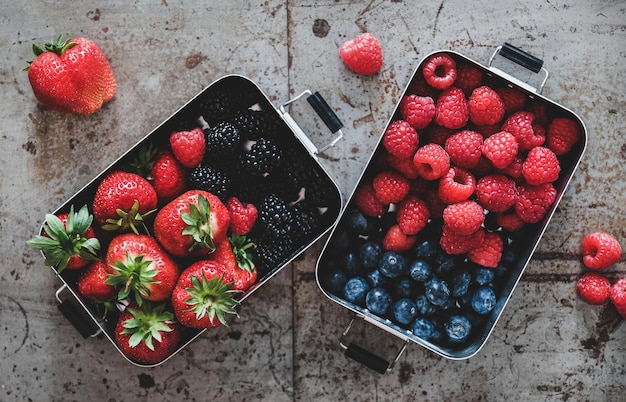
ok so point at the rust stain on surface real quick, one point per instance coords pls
(321, 28)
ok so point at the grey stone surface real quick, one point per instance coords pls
(548, 345)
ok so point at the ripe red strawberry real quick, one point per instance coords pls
(367, 202)
(147, 334)
(431, 161)
(242, 216)
(412, 215)
(362, 54)
(123, 201)
(600, 250)
(457, 185)
(489, 252)
(203, 295)
(396, 240)
(520, 124)
(500, 148)
(485, 106)
(188, 146)
(67, 240)
(617, 294)
(390, 186)
(514, 100)
(233, 254)
(139, 266)
(464, 217)
(192, 224)
(594, 288)
(562, 134)
(533, 202)
(541, 166)
(71, 76)
(400, 139)
(468, 77)
(451, 109)
(496, 193)
(455, 243)
(92, 283)
(167, 176)
(440, 71)
(464, 148)
(418, 111)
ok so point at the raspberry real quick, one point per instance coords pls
(514, 170)
(400, 139)
(457, 185)
(396, 240)
(594, 288)
(418, 111)
(489, 252)
(454, 243)
(500, 148)
(419, 186)
(541, 166)
(431, 161)
(242, 216)
(617, 294)
(464, 217)
(420, 87)
(520, 124)
(366, 201)
(533, 202)
(514, 100)
(562, 134)
(496, 193)
(485, 106)
(412, 215)
(363, 54)
(390, 187)
(404, 166)
(439, 71)
(538, 109)
(468, 77)
(600, 250)
(435, 205)
(439, 135)
(486, 130)
(451, 109)
(464, 148)
(510, 222)
(188, 146)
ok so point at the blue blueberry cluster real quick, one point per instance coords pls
(438, 297)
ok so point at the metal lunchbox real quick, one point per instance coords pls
(341, 258)
(225, 96)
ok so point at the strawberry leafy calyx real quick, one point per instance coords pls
(147, 324)
(57, 46)
(143, 162)
(240, 246)
(133, 275)
(129, 220)
(198, 221)
(213, 298)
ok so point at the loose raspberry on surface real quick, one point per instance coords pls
(594, 288)
(514, 99)
(390, 187)
(520, 124)
(451, 109)
(457, 185)
(412, 215)
(431, 161)
(562, 134)
(489, 252)
(400, 139)
(464, 217)
(541, 166)
(485, 106)
(439, 71)
(362, 54)
(396, 240)
(533, 202)
(454, 243)
(617, 294)
(496, 193)
(500, 148)
(464, 148)
(468, 77)
(366, 201)
(600, 250)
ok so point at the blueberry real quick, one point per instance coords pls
(420, 270)
(375, 278)
(403, 288)
(484, 276)
(404, 311)
(458, 328)
(426, 250)
(483, 300)
(437, 291)
(355, 290)
(424, 307)
(444, 264)
(378, 301)
(370, 253)
(355, 222)
(335, 281)
(423, 328)
(459, 283)
(351, 264)
(392, 264)
(340, 241)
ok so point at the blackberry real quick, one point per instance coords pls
(222, 142)
(306, 219)
(255, 124)
(269, 254)
(318, 192)
(263, 157)
(275, 217)
(215, 106)
(250, 189)
(283, 185)
(209, 179)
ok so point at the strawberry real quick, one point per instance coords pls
(617, 294)
(242, 216)
(362, 54)
(204, 295)
(192, 224)
(594, 288)
(138, 265)
(396, 240)
(188, 146)
(67, 240)
(238, 266)
(147, 335)
(600, 250)
(92, 283)
(123, 200)
(71, 76)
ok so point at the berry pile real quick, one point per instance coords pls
(465, 174)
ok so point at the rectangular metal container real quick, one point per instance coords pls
(86, 316)
(523, 243)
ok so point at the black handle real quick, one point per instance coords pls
(78, 318)
(520, 57)
(325, 112)
(366, 358)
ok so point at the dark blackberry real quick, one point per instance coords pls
(222, 141)
(297, 165)
(263, 157)
(283, 184)
(270, 254)
(250, 189)
(209, 179)
(275, 217)
(255, 124)
(306, 219)
(215, 106)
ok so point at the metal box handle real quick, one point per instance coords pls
(77, 316)
(522, 58)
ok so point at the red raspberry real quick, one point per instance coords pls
(451, 109)
(420, 186)
(420, 87)
(418, 111)
(390, 187)
(514, 99)
(188, 146)
(464, 217)
(457, 185)
(454, 243)
(489, 252)
(400, 139)
(366, 201)
(412, 215)
(533, 202)
(485, 106)
(541, 166)
(538, 109)
(496, 193)
(439, 71)
(594, 288)
(563, 133)
(600, 250)
(362, 54)
(464, 148)
(514, 170)
(520, 124)
(435, 205)
(510, 221)
(439, 135)
(404, 166)
(431, 161)
(500, 148)
(468, 77)
(617, 294)
(486, 130)
(396, 240)
(242, 216)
